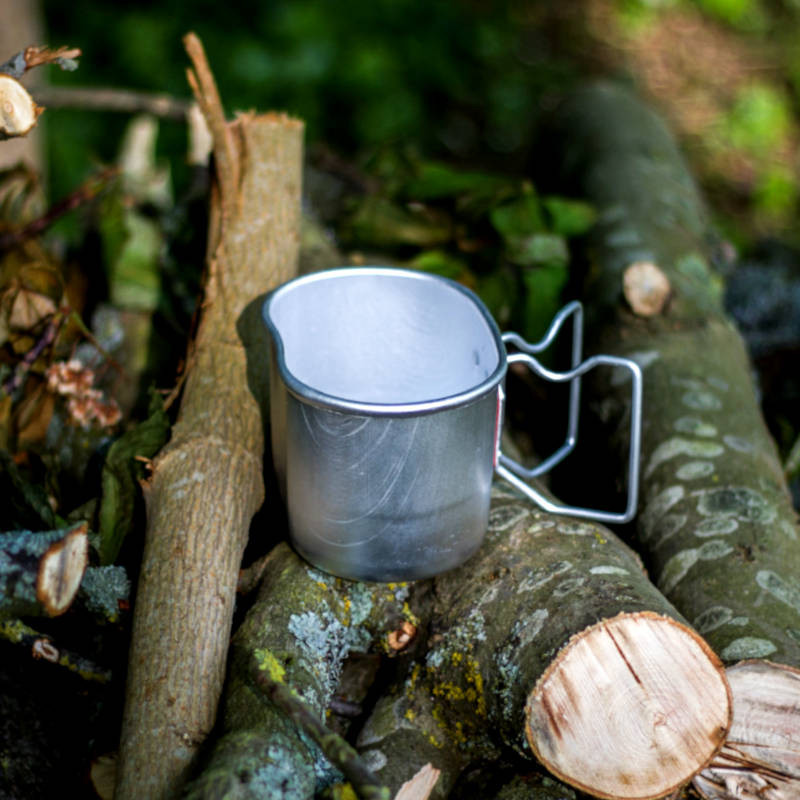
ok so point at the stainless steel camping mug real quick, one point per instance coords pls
(386, 405)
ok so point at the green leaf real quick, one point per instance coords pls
(569, 217)
(442, 263)
(435, 181)
(539, 249)
(380, 223)
(120, 473)
(543, 287)
(25, 505)
(519, 218)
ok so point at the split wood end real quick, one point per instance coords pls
(646, 288)
(61, 571)
(421, 785)
(761, 757)
(18, 111)
(632, 707)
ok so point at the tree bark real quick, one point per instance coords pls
(40, 572)
(716, 525)
(552, 639)
(302, 627)
(207, 483)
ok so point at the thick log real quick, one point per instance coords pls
(760, 759)
(40, 572)
(716, 524)
(301, 628)
(207, 483)
(552, 639)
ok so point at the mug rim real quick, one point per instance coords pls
(309, 394)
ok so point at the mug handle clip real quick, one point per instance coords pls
(516, 474)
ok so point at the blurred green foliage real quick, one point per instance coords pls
(463, 79)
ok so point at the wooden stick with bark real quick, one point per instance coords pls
(207, 483)
(716, 525)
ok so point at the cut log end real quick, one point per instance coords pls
(761, 757)
(61, 570)
(632, 707)
(18, 112)
(646, 288)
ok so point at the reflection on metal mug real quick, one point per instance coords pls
(386, 404)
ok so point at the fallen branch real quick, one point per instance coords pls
(207, 483)
(716, 523)
(126, 101)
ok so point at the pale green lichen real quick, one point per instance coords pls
(574, 528)
(522, 634)
(738, 443)
(375, 760)
(694, 426)
(324, 642)
(748, 647)
(502, 518)
(715, 526)
(360, 603)
(701, 400)
(277, 777)
(779, 588)
(608, 569)
(678, 446)
(103, 588)
(568, 586)
(739, 502)
(668, 526)
(541, 575)
(679, 565)
(658, 506)
(694, 470)
(712, 618)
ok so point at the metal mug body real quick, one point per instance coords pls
(385, 411)
(385, 388)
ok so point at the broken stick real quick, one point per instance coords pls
(207, 483)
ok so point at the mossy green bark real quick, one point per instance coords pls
(299, 632)
(498, 623)
(715, 525)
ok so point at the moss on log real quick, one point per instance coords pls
(716, 525)
(301, 628)
(553, 630)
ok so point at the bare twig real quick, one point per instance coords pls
(36, 56)
(336, 749)
(81, 195)
(205, 91)
(109, 98)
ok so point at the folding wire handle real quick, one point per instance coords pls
(516, 474)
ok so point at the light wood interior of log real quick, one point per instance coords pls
(61, 571)
(633, 707)
(761, 757)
